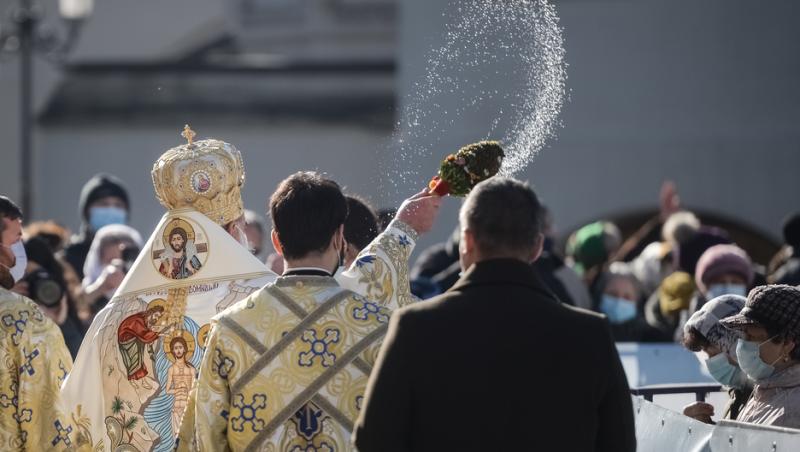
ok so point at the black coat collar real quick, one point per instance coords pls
(503, 271)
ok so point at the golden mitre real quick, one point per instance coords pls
(206, 175)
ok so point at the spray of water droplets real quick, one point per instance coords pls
(502, 65)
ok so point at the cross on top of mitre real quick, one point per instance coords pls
(189, 134)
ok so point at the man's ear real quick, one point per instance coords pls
(537, 249)
(792, 345)
(467, 242)
(276, 243)
(338, 239)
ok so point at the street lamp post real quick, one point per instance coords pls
(23, 39)
(26, 23)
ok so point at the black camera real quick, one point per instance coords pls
(129, 255)
(43, 288)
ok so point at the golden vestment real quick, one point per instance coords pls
(33, 363)
(286, 369)
(127, 357)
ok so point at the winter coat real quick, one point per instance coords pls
(775, 400)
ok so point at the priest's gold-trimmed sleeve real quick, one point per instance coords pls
(380, 271)
(205, 422)
(35, 361)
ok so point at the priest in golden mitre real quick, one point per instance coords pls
(136, 367)
(33, 358)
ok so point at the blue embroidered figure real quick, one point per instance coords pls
(319, 348)
(222, 365)
(368, 259)
(64, 372)
(404, 240)
(367, 309)
(308, 420)
(27, 366)
(18, 324)
(248, 412)
(63, 434)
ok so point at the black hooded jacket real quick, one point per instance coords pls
(98, 187)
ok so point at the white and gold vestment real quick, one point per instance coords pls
(33, 363)
(286, 369)
(130, 379)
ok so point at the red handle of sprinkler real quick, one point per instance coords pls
(438, 186)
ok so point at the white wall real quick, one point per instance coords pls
(70, 156)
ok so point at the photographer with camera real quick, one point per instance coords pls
(44, 283)
(113, 250)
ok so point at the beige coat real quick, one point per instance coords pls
(775, 400)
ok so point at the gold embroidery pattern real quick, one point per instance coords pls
(223, 419)
(33, 363)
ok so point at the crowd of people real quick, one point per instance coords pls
(199, 338)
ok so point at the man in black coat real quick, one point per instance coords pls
(497, 363)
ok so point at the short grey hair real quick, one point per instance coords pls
(680, 227)
(504, 216)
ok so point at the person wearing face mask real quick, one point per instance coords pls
(703, 332)
(196, 264)
(723, 270)
(104, 201)
(305, 307)
(44, 282)
(34, 358)
(767, 351)
(619, 298)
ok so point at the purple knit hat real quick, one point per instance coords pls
(721, 259)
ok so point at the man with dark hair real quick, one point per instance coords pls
(455, 372)
(360, 227)
(294, 233)
(290, 362)
(35, 359)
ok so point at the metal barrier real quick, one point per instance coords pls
(700, 390)
(662, 430)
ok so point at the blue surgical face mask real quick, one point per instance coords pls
(618, 310)
(749, 357)
(716, 290)
(104, 216)
(726, 373)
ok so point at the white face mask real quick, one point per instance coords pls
(18, 270)
(716, 290)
